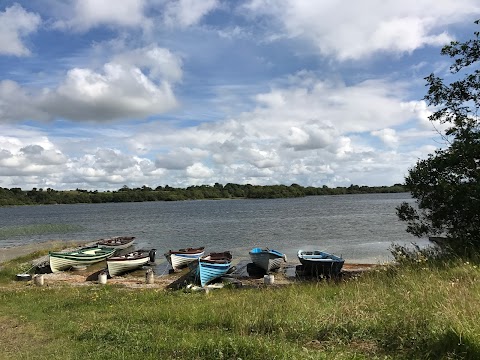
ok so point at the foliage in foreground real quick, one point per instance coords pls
(415, 311)
(446, 185)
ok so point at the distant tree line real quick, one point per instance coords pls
(17, 196)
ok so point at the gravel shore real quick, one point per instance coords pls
(137, 279)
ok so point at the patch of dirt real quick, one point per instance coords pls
(174, 281)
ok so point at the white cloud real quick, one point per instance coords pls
(31, 155)
(112, 160)
(362, 29)
(308, 132)
(180, 158)
(116, 92)
(17, 104)
(134, 84)
(313, 115)
(161, 63)
(422, 113)
(199, 171)
(109, 168)
(404, 35)
(311, 136)
(82, 15)
(184, 13)
(388, 136)
(15, 24)
(262, 159)
(293, 115)
(41, 156)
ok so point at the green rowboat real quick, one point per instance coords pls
(64, 260)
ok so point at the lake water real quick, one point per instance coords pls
(361, 228)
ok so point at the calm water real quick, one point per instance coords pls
(358, 227)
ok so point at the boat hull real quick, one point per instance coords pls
(212, 266)
(208, 272)
(320, 263)
(63, 261)
(268, 260)
(179, 261)
(123, 264)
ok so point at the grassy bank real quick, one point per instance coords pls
(414, 312)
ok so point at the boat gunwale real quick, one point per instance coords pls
(142, 255)
(321, 256)
(268, 251)
(186, 251)
(100, 253)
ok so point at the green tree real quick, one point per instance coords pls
(446, 184)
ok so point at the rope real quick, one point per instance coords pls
(34, 266)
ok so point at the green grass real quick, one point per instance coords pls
(20, 265)
(417, 311)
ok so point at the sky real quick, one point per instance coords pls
(98, 94)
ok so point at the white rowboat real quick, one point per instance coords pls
(181, 258)
(134, 260)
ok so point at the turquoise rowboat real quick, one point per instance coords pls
(213, 266)
(64, 260)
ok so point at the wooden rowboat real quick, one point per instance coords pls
(213, 266)
(133, 260)
(118, 242)
(267, 259)
(320, 262)
(181, 258)
(64, 260)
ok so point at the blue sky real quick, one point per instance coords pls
(101, 94)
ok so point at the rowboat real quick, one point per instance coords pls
(181, 258)
(320, 262)
(267, 259)
(64, 260)
(213, 266)
(117, 265)
(118, 242)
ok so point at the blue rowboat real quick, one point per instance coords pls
(320, 262)
(213, 266)
(64, 260)
(181, 258)
(267, 259)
